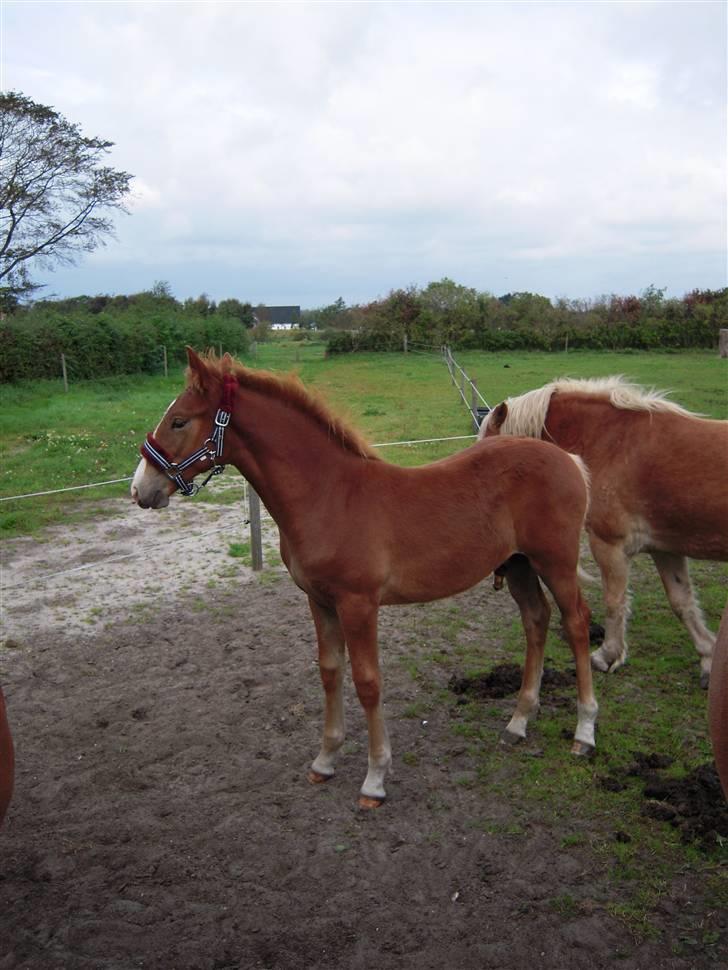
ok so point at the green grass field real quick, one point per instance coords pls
(52, 440)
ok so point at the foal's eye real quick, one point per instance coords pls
(179, 422)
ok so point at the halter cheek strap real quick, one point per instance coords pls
(210, 450)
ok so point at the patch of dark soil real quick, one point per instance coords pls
(504, 680)
(694, 804)
(596, 634)
(647, 762)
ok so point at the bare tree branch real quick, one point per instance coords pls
(55, 195)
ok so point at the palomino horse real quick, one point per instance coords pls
(718, 703)
(658, 476)
(357, 533)
(7, 761)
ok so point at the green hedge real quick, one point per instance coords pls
(118, 340)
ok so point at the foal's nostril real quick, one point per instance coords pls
(135, 493)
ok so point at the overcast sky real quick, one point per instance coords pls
(292, 153)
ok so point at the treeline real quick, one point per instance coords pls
(103, 335)
(446, 313)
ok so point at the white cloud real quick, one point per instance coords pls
(364, 140)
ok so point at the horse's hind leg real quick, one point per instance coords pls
(614, 566)
(673, 570)
(575, 616)
(525, 589)
(331, 665)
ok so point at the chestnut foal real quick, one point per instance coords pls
(357, 533)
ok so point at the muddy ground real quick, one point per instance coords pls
(166, 705)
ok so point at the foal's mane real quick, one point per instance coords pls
(526, 415)
(290, 389)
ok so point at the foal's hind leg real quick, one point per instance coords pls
(673, 570)
(575, 616)
(331, 664)
(525, 589)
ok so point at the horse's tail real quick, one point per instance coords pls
(584, 576)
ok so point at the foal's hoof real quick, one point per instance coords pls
(316, 778)
(704, 679)
(511, 739)
(366, 802)
(583, 750)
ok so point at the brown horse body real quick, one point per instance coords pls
(7, 760)
(658, 476)
(718, 702)
(358, 533)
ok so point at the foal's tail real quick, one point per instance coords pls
(583, 575)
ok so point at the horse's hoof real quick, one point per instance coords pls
(583, 750)
(704, 679)
(598, 662)
(367, 803)
(315, 777)
(509, 738)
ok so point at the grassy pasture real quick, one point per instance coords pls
(51, 439)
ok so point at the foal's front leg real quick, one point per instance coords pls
(358, 616)
(331, 665)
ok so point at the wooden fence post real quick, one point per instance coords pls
(404, 342)
(65, 373)
(256, 538)
(164, 359)
(723, 343)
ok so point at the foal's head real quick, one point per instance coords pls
(185, 427)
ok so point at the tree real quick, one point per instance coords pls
(54, 192)
(240, 311)
(202, 305)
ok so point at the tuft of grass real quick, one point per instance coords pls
(240, 550)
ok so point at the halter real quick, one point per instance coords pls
(210, 450)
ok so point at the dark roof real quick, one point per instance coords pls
(279, 314)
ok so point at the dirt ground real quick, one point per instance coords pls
(166, 705)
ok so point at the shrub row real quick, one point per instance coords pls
(118, 341)
(480, 324)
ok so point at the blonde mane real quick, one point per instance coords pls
(527, 413)
(290, 389)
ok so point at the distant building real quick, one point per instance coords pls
(279, 317)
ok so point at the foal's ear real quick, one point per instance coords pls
(198, 374)
(497, 417)
(227, 363)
